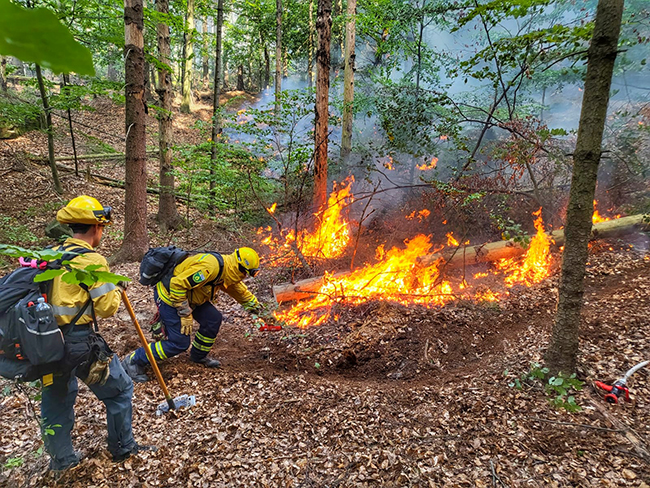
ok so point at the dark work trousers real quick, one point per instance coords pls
(57, 411)
(209, 319)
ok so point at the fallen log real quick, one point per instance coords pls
(471, 255)
(88, 157)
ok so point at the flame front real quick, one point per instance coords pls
(596, 218)
(397, 278)
(328, 240)
(537, 260)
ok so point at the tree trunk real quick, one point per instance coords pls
(240, 77)
(187, 102)
(348, 81)
(206, 59)
(135, 241)
(66, 82)
(168, 216)
(216, 123)
(310, 46)
(50, 130)
(278, 55)
(563, 348)
(267, 67)
(3, 73)
(324, 29)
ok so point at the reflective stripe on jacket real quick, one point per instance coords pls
(193, 280)
(67, 299)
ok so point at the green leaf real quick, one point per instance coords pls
(37, 36)
(48, 274)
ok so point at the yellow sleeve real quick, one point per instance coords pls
(106, 296)
(244, 297)
(200, 270)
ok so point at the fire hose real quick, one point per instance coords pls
(619, 388)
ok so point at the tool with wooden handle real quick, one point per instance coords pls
(171, 403)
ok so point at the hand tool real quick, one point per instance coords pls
(171, 403)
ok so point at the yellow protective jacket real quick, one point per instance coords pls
(194, 280)
(67, 299)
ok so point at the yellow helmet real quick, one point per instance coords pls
(248, 260)
(84, 210)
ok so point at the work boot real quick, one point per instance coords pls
(207, 362)
(135, 371)
(136, 449)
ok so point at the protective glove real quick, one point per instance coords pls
(252, 306)
(99, 372)
(123, 285)
(183, 308)
(186, 324)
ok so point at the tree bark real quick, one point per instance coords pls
(278, 55)
(206, 58)
(240, 77)
(348, 81)
(324, 29)
(3, 73)
(267, 68)
(50, 130)
(66, 82)
(168, 216)
(563, 348)
(187, 102)
(310, 45)
(135, 241)
(216, 117)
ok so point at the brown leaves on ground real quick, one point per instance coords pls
(357, 403)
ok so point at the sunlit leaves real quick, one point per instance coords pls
(37, 36)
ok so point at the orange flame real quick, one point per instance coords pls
(537, 260)
(451, 241)
(272, 208)
(396, 277)
(596, 218)
(389, 164)
(432, 165)
(328, 240)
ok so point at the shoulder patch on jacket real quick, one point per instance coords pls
(196, 278)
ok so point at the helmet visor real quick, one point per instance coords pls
(249, 272)
(104, 215)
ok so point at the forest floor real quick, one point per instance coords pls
(385, 395)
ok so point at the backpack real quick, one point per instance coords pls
(29, 333)
(159, 262)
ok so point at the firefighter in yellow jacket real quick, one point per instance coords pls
(102, 372)
(193, 286)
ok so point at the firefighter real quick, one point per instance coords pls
(193, 286)
(102, 372)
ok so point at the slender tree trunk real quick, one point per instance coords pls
(324, 29)
(267, 67)
(278, 55)
(187, 103)
(240, 77)
(348, 81)
(563, 349)
(168, 216)
(310, 45)
(216, 123)
(206, 59)
(50, 130)
(341, 36)
(3, 73)
(66, 82)
(135, 241)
